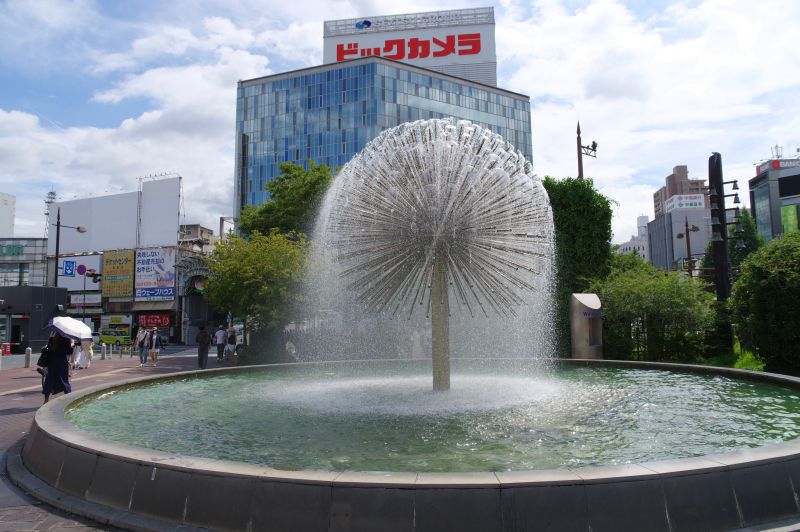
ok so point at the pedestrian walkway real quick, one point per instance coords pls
(20, 397)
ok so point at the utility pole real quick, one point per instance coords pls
(590, 150)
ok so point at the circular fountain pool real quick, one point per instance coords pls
(386, 418)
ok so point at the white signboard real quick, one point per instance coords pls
(685, 201)
(155, 274)
(71, 272)
(88, 300)
(111, 221)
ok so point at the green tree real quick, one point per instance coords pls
(294, 198)
(582, 218)
(751, 241)
(652, 315)
(764, 304)
(256, 279)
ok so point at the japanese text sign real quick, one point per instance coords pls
(155, 274)
(118, 273)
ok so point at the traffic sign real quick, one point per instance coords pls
(81, 269)
(68, 268)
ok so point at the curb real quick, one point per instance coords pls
(104, 515)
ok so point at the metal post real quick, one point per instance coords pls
(688, 248)
(103, 352)
(28, 353)
(580, 153)
(440, 325)
(58, 241)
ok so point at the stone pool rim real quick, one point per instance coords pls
(748, 486)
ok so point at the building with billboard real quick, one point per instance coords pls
(458, 42)
(330, 112)
(775, 197)
(678, 184)
(666, 237)
(23, 261)
(378, 73)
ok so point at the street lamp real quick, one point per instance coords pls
(590, 150)
(58, 225)
(686, 233)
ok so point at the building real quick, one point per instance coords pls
(458, 42)
(23, 261)
(638, 243)
(775, 197)
(329, 113)
(8, 210)
(25, 312)
(666, 235)
(678, 184)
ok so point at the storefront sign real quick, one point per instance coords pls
(154, 320)
(11, 250)
(118, 273)
(89, 300)
(155, 274)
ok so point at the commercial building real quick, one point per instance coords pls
(678, 184)
(25, 312)
(638, 243)
(8, 210)
(668, 244)
(775, 197)
(23, 261)
(329, 113)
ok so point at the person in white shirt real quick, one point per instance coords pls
(219, 339)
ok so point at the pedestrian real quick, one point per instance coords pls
(144, 348)
(56, 378)
(219, 339)
(203, 340)
(84, 360)
(156, 343)
(230, 351)
(138, 344)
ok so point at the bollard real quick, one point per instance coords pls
(102, 351)
(28, 353)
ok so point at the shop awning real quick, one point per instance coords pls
(149, 306)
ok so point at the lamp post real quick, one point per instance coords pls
(590, 150)
(686, 234)
(59, 225)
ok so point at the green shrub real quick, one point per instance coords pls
(765, 304)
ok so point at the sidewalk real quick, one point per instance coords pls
(20, 397)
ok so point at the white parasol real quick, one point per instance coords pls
(72, 328)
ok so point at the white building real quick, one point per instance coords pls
(638, 242)
(8, 209)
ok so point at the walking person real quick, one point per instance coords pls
(144, 348)
(156, 343)
(56, 378)
(219, 339)
(230, 351)
(138, 344)
(203, 340)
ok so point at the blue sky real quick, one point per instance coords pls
(94, 94)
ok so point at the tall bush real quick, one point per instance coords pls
(766, 302)
(652, 315)
(582, 218)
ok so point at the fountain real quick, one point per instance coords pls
(431, 213)
(433, 204)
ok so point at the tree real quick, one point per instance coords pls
(256, 279)
(751, 241)
(764, 304)
(582, 218)
(652, 315)
(294, 198)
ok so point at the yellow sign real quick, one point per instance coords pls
(118, 273)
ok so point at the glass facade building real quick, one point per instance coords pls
(23, 261)
(329, 113)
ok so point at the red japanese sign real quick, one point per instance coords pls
(414, 48)
(154, 320)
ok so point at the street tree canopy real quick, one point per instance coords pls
(294, 198)
(256, 279)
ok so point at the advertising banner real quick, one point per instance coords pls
(154, 320)
(85, 300)
(118, 273)
(789, 218)
(155, 274)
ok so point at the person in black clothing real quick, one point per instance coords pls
(56, 379)
(203, 340)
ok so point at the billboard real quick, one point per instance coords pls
(119, 221)
(447, 41)
(685, 201)
(789, 218)
(155, 274)
(71, 272)
(118, 273)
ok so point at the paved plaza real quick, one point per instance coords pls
(20, 397)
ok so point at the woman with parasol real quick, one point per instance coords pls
(66, 332)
